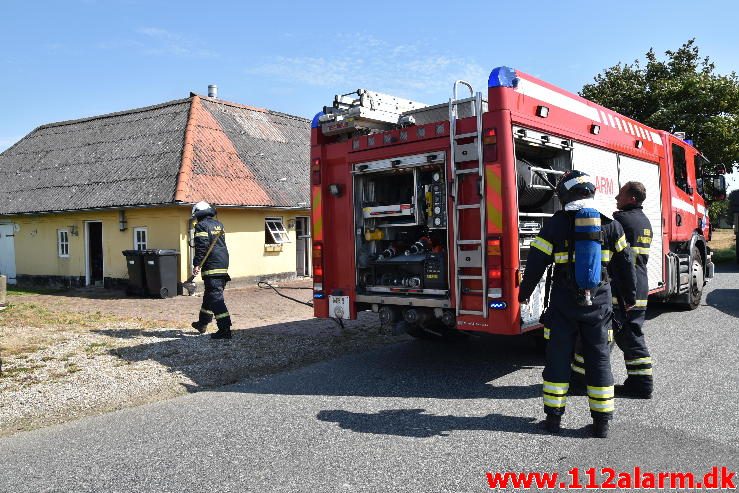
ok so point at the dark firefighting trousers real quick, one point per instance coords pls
(564, 323)
(214, 305)
(629, 337)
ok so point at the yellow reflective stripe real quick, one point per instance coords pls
(578, 357)
(206, 311)
(605, 255)
(640, 250)
(641, 303)
(639, 361)
(587, 221)
(214, 271)
(644, 239)
(541, 244)
(552, 401)
(602, 406)
(560, 257)
(577, 369)
(600, 392)
(555, 388)
(222, 315)
(621, 244)
(614, 301)
(645, 371)
(564, 385)
(610, 335)
(202, 233)
(546, 333)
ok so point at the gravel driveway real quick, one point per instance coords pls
(152, 353)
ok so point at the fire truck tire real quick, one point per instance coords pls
(692, 299)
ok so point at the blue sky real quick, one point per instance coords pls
(68, 59)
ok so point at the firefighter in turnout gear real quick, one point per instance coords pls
(574, 311)
(213, 270)
(627, 325)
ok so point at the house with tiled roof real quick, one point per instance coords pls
(75, 194)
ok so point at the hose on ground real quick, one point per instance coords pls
(267, 285)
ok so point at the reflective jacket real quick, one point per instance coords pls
(638, 231)
(553, 245)
(216, 264)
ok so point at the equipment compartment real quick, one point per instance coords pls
(401, 226)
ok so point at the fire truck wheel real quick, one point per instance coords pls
(695, 292)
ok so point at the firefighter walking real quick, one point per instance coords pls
(627, 325)
(574, 311)
(213, 268)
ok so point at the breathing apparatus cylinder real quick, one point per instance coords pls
(587, 251)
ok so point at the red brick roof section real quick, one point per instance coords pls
(211, 167)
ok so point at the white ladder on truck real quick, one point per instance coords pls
(472, 261)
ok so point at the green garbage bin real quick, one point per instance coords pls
(136, 272)
(162, 269)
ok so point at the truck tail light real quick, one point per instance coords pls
(318, 266)
(315, 171)
(495, 267)
(489, 147)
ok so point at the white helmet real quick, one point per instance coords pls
(199, 207)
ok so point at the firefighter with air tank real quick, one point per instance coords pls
(627, 325)
(581, 243)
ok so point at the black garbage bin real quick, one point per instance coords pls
(136, 272)
(162, 267)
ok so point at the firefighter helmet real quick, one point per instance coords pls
(202, 209)
(575, 185)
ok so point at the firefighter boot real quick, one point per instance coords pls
(199, 326)
(553, 423)
(223, 333)
(635, 387)
(600, 427)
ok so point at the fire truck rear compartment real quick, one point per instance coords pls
(401, 239)
(540, 160)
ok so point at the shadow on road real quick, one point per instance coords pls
(726, 300)
(415, 423)
(460, 369)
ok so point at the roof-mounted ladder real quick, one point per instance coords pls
(472, 262)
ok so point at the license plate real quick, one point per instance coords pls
(338, 307)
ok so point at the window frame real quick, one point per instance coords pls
(274, 229)
(136, 243)
(62, 244)
(683, 166)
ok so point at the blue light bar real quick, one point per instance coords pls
(498, 305)
(319, 296)
(503, 77)
(315, 123)
(689, 142)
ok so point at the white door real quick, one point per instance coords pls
(648, 174)
(602, 166)
(7, 252)
(302, 235)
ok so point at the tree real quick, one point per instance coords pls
(681, 93)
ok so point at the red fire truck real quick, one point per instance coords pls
(425, 213)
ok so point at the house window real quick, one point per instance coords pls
(274, 231)
(140, 238)
(62, 243)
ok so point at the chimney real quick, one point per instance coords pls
(212, 91)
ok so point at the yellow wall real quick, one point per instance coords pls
(167, 228)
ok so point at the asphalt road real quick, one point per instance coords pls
(416, 416)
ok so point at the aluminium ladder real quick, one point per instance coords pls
(470, 260)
